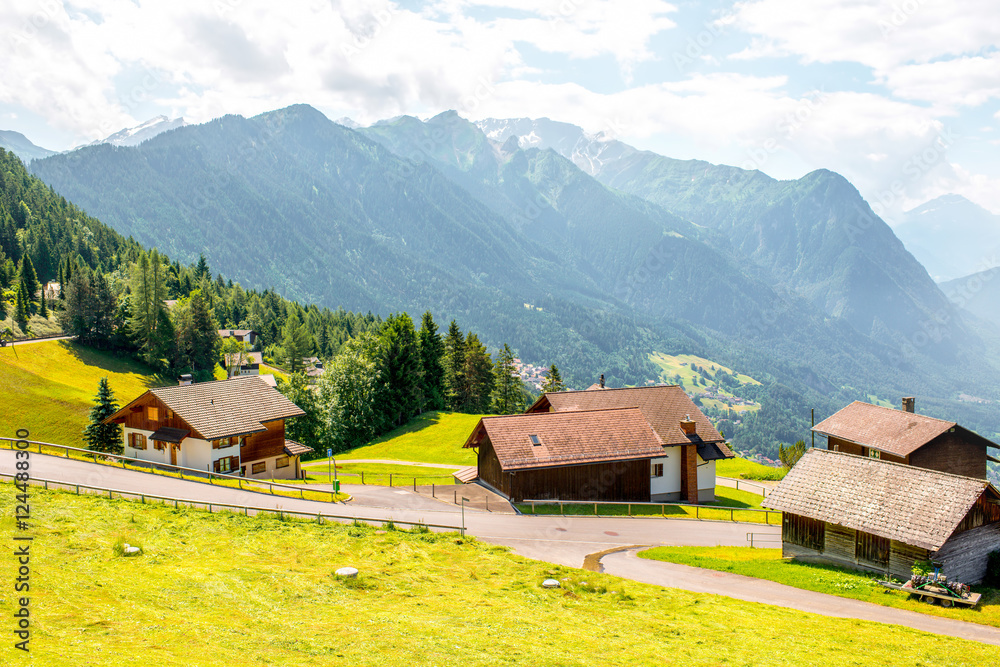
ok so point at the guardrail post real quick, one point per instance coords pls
(697, 513)
(630, 509)
(433, 494)
(362, 478)
(390, 480)
(730, 513)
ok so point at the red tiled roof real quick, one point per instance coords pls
(886, 429)
(663, 406)
(569, 438)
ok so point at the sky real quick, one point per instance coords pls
(901, 97)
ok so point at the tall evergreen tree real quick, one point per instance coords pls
(101, 437)
(553, 381)
(22, 309)
(296, 341)
(401, 368)
(309, 428)
(30, 281)
(478, 377)
(454, 368)
(201, 271)
(204, 337)
(507, 391)
(432, 361)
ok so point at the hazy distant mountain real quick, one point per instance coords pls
(978, 293)
(952, 237)
(815, 235)
(19, 145)
(133, 136)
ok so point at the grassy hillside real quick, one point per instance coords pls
(700, 376)
(433, 437)
(744, 469)
(262, 591)
(48, 388)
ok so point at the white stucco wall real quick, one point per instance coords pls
(196, 453)
(148, 454)
(706, 474)
(671, 480)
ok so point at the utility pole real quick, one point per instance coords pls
(812, 416)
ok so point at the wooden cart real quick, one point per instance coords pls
(932, 593)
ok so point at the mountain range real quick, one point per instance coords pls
(578, 250)
(952, 237)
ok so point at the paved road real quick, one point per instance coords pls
(30, 341)
(627, 564)
(555, 539)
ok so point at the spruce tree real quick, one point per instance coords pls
(432, 360)
(296, 341)
(30, 281)
(43, 308)
(454, 367)
(21, 308)
(478, 378)
(401, 368)
(553, 381)
(507, 394)
(101, 437)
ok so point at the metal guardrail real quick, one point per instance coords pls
(762, 537)
(126, 495)
(697, 508)
(748, 485)
(150, 467)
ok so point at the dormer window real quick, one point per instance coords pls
(535, 440)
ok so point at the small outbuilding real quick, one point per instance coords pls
(872, 514)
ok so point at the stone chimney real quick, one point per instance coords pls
(602, 380)
(908, 404)
(688, 425)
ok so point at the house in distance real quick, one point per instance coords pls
(642, 444)
(234, 426)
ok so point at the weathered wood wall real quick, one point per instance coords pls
(839, 549)
(957, 453)
(963, 556)
(137, 417)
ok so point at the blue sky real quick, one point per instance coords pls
(902, 97)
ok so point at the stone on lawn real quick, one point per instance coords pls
(550, 583)
(349, 572)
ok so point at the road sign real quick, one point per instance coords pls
(329, 452)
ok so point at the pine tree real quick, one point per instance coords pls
(21, 307)
(507, 393)
(401, 368)
(204, 336)
(101, 437)
(30, 281)
(201, 271)
(477, 380)
(296, 341)
(553, 382)
(43, 308)
(454, 368)
(432, 358)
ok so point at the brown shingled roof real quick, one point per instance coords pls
(663, 406)
(894, 431)
(224, 408)
(293, 448)
(570, 438)
(913, 505)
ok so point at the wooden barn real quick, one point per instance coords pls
(872, 514)
(902, 436)
(685, 470)
(581, 455)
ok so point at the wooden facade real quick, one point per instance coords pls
(962, 557)
(265, 445)
(959, 453)
(625, 481)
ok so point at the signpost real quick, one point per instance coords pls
(332, 474)
(464, 500)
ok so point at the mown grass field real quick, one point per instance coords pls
(433, 437)
(768, 564)
(221, 589)
(744, 469)
(378, 474)
(49, 388)
(678, 369)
